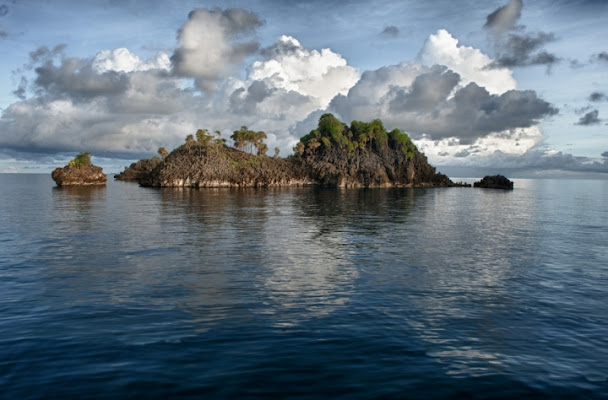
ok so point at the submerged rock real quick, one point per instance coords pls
(494, 182)
(72, 175)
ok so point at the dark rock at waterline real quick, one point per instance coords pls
(207, 166)
(72, 175)
(494, 182)
(138, 169)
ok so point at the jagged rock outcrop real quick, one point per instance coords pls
(494, 182)
(333, 155)
(138, 170)
(73, 175)
(199, 165)
(379, 167)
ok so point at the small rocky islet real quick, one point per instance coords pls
(79, 172)
(494, 182)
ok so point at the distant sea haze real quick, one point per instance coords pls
(130, 292)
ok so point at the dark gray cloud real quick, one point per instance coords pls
(43, 53)
(391, 31)
(74, 106)
(281, 48)
(3, 10)
(597, 96)
(212, 44)
(3, 34)
(514, 45)
(76, 79)
(523, 49)
(245, 100)
(433, 106)
(20, 92)
(591, 118)
(605, 154)
(426, 92)
(602, 57)
(505, 17)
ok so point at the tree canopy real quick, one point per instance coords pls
(364, 136)
(81, 160)
(245, 138)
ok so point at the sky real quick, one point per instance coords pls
(516, 87)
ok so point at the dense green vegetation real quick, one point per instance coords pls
(365, 136)
(330, 132)
(81, 160)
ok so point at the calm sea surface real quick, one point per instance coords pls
(130, 292)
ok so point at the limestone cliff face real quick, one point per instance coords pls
(376, 167)
(363, 154)
(73, 175)
(199, 165)
(205, 166)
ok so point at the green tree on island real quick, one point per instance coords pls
(81, 160)
(245, 137)
(362, 136)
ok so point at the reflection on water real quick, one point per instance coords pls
(378, 289)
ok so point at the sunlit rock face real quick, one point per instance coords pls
(79, 176)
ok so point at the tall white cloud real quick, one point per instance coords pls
(291, 67)
(470, 63)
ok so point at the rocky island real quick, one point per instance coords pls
(334, 154)
(494, 182)
(79, 172)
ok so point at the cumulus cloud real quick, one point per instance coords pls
(504, 18)
(122, 60)
(76, 78)
(291, 67)
(470, 63)
(605, 154)
(118, 103)
(209, 45)
(590, 118)
(123, 106)
(390, 31)
(457, 98)
(424, 107)
(426, 92)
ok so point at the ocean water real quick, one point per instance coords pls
(130, 292)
